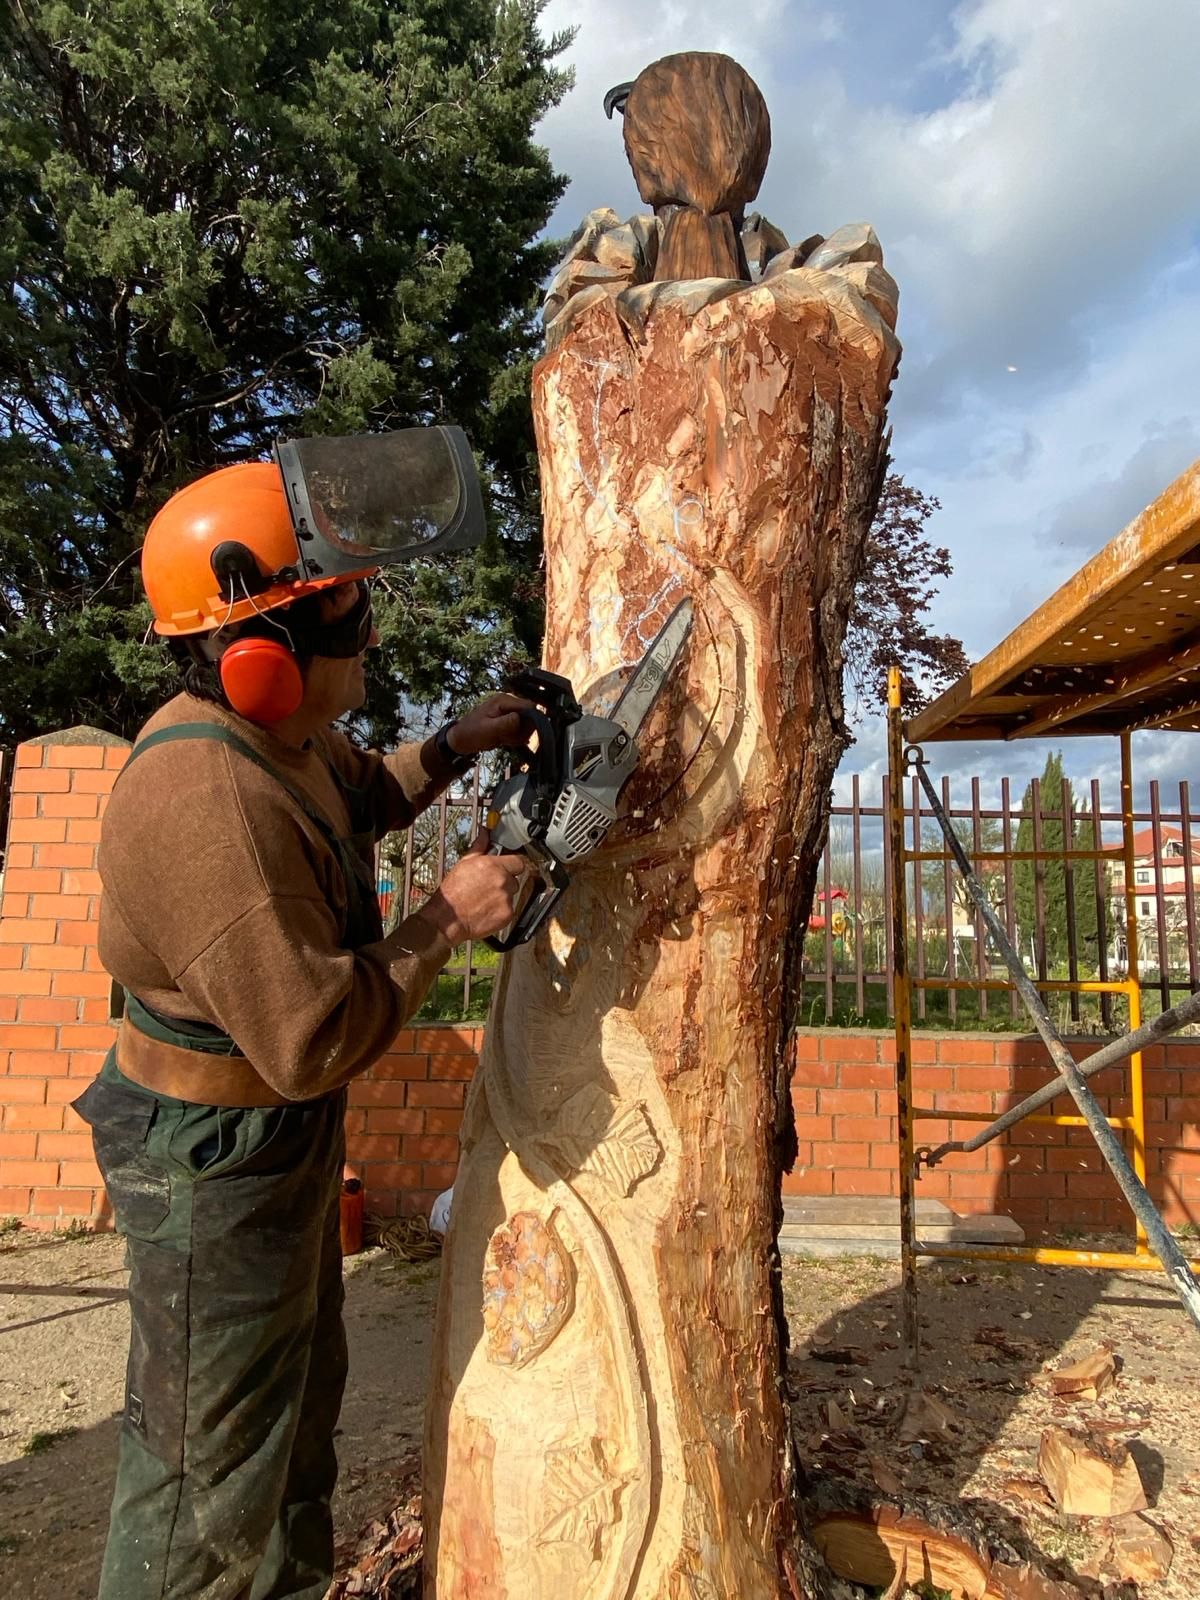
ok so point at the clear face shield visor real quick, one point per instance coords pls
(373, 500)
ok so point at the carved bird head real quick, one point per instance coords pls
(696, 132)
(615, 99)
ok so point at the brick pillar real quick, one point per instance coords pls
(54, 1025)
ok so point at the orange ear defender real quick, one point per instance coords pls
(261, 679)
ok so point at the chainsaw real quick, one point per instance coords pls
(560, 800)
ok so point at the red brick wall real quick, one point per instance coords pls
(844, 1095)
(404, 1115)
(402, 1125)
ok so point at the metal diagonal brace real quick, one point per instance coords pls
(1168, 1022)
(1179, 1274)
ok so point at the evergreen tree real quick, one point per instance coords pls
(1053, 876)
(222, 224)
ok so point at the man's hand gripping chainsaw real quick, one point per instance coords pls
(561, 799)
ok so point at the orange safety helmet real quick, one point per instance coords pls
(229, 531)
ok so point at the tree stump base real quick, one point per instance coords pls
(859, 1540)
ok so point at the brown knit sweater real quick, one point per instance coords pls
(223, 903)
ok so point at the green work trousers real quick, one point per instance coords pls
(237, 1356)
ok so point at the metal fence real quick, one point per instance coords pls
(1055, 872)
(1066, 914)
(410, 867)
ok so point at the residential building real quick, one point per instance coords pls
(1161, 890)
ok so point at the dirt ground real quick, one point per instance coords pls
(64, 1329)
(989, 1334)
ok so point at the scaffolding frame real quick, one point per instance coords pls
(1117, 647)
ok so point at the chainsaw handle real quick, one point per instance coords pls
(544, 760)
(554, 879)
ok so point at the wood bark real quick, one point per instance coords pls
(608, 1418)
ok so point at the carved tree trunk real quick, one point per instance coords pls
(608, 1417)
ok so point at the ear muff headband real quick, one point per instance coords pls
(261, 679)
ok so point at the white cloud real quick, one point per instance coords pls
(1111, 499)
(1041, 194)
(1030, 492)
(1031, 170)
(1064, 164)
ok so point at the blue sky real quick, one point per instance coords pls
(1031, 171)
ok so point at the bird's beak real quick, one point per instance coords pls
(615, 99)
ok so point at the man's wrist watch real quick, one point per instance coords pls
(448, 756)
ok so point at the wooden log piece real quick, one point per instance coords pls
(1023, 1581)
(1139, 1551)
(1087, 1378)
(1089, 1478)
(941, 1546)
(632, 1097)
(882, 1548)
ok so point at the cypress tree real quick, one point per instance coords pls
(1053, 949)
(222, 224)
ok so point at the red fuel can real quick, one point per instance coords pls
(353, 1200)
